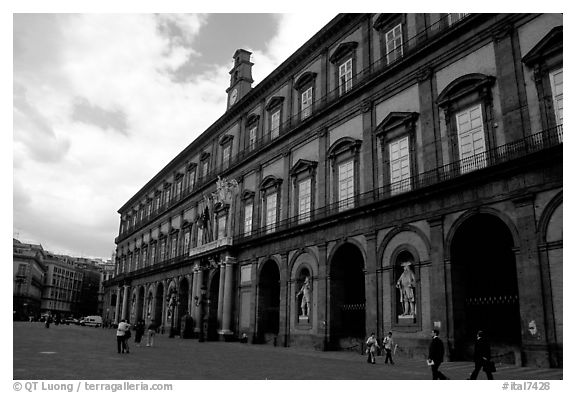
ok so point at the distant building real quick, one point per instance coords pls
(29, 273)
(61, 293)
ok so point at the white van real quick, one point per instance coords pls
(92, 320)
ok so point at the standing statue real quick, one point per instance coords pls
(305, 291)
(406, 284)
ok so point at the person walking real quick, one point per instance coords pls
(371, 348)
(436, 355)
(140, 328)
(122, 334)
(481, 356)
(151, 333)
(388, 345)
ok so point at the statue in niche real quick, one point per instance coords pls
(306, 292)
(149, 307)
(406, 284)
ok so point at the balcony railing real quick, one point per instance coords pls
(360, 78)
(225, 241)
(499, 155)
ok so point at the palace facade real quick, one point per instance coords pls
(398, 172)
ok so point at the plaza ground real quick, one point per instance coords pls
(75, 352)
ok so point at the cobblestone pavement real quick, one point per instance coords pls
(75, 352)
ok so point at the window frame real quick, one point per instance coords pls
(247, 198)
(226, 145)
(275, 106)
(343, 53)
(341, 151)
(303, 170)
(270, 185)
(304, 83)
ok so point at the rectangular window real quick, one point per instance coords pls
(345, 76)
(556, 83)
(200, 236)
(453, 18)
(153, 254)
(399, 166)
(306, 105)
(471, 141)
(248, 219)
(191, 175)
(162, 250)
(130, 262)
(346, 185)
(141, 213)
(221, 227)
(178, 190)
(157, 203)
(252, 138)
(271, 205)
(149, 209)
(226, 157)
(204, 169)
(166, 196)
(304, 200)
(137, 261)
(394, 50)
(275, 125)
(173, 244)
(186, 242)
(144, 257)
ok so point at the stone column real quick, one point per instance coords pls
(199, 280)
(368, 166)
(193, 294)
(254, 301)
(429, 120)
(165, 305)
(528, 270)
(371, 285)
(221, 294)
(125, 308)
(228, 296)
(117, 312)
(321, 198)
(440, 289)
(284, 303)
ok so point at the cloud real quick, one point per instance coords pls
(85, 112)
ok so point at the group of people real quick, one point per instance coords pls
(123, 334)
(482, 356)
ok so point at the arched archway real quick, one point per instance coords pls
(158, 302)
(213, 289)
(268, 301)
(139, 305)
(347, 297)
(182, 302)
(484, 286)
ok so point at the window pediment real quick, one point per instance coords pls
(303, 166)
(274, 102)
(204, 156)
(191, 166)
(385, 19)
(464, 85)
(270, 182)
(551, 44)
(344, 145)
(247, 194)
(167, 185)
(226, 139)
(394, 120)
(304, 79)
(252, 118)
(342, 50)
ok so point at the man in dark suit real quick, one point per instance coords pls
(436, 355)
(481, 356)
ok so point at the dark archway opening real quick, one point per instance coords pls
(140, 305)
(347, 298)
(485, 287)
(269, 302)
(182, 303)
(158, 301)
(213, 307)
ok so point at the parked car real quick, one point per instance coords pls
(92, 320)
(71, 321)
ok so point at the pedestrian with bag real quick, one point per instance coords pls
(388, 344)
(151, 333)
(372, 348)
(482, 357)
(436, 355)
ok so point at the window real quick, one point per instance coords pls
(153, 254)
(248, 208)
(186, 242)
(471, 143)
(200, 236)
(346, 185)
(149, 208)
(453, 18)
(345, 77)
(304, 200)
(394, 50)
(252, 138)
(556, 85)
(136, 259)
(399, 165)
(178, 190)
(275, 124)
(271, 215)
(162, 250)
(226, 146)
(173, 244)
(226, 157)
(204, 169)
(306, 103)
(141, 212)
(157, 201)
(167, 195)
(222, 226)
(129, 262)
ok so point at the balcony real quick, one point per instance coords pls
(321, 104)
(216, 244)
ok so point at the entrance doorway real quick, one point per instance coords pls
(158, 301)
(182, 303)
(347, 298)
(269, 302)
(139, 305)
(485, 287)
(213, 306)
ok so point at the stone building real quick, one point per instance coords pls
(62, 288)
(398, 172)
(28, 276)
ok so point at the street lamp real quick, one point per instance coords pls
(172, 303)
(199, 301)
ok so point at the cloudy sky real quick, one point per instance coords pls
(101, 102)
